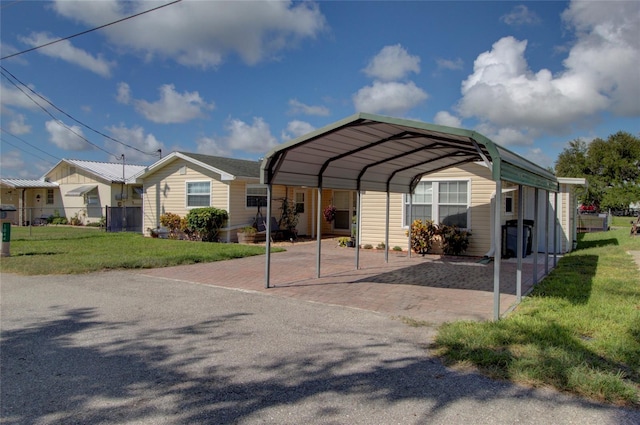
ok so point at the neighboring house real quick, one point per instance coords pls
(182, 181)
(74, 188)
(31, 198)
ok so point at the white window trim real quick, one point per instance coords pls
(435, 201)
(246, 194)
(186, 193)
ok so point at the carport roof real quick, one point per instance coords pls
(378, 153)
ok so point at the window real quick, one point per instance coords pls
(92, 199)
(256, 195)
(198, 194)
(508, 203)
(450, 206)
(136, 192)
(49, 196)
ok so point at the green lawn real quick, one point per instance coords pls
(579, 331)
(65, 250)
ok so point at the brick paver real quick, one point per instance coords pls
(430, 288)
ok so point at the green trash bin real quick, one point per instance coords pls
(6, 216)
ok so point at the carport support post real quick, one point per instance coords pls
(386, 231)
(319, 232)
(358, 236)
(519, 249)
(410, 195)
(267, 271)
(497, 236)
(546, 232)
(555, 229)
(536, 224)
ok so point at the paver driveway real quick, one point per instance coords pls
(424, 288)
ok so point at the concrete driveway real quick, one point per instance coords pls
(126, 348)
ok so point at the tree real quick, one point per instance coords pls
(611, 167)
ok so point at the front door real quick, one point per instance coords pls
(300, 198)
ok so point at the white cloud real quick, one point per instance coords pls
(11, 96)
(11, 163)
(394, 98)
(297, 107)
(8, 49)
(137, 138)
(508, 136)
(454, 65)
(124, 93)
(17, 125)
(249, 138)
(212, 146)
(392, 63)
(607, 52)
(295, 129)
(537, 156)
(173, 107)
(66, 51)
(601, 74)
(520, 15)
(66, 139)
(203, 33)
(445, 118)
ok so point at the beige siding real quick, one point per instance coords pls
(482, 187)
(165, 191)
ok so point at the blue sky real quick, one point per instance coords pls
(238, 78)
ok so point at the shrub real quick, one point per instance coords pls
(343, 241)
(56, 218)
(455, 241)
(397, 248)
(381, 245)
(422, 235)
(205, 223)
(368, 246)
(249, 230)
(174, 223)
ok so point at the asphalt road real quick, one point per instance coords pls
(121, 348)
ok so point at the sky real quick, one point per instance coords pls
(237, 78)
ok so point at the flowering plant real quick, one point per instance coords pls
(329, 213)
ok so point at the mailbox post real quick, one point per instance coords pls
(6, 215)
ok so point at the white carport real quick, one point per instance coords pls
(377, 153)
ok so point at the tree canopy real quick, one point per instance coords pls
(611, 167)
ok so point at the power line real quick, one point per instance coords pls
(88, 31)
(57, 121)
(74, 119)
(27, 143)
(5, 5)
(23, 150)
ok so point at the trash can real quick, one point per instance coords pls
(510, 238)
(7, 215)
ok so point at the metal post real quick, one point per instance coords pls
(267, 272)
(520, 240)
(497, 235)
(386, 231)
(546, 232)
(124, 202)
(555, 229)
(410, 195)
(358, 236)
(319, 232)
(535, 238)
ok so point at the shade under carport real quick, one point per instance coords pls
(81, 190)
(366, 152)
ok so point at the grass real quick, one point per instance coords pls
(72, 250)
(579, 330)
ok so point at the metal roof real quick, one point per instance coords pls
(27, 184)
(110, 171)
(378, 153)
(228, 168)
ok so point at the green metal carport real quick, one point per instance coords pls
(377, 153)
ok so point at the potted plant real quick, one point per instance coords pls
(247, 234)
(329, 213)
